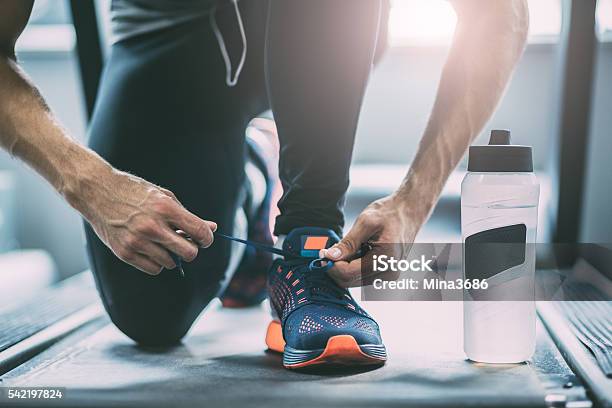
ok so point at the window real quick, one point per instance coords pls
(49, 28)
(544, 20)
(421, 22)
(604, 20)
(428, 22)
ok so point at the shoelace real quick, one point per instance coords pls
(321, 288)
(319, 264)
(316, 285)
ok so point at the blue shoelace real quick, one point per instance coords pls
(318, 264)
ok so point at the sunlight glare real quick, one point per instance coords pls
(421, 21)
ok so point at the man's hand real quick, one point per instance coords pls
(138, 220)
(386, 221)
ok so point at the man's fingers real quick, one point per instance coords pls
(169, 194)
(157, 254)
(360, 233)
(145, 264)
(351, 274)
(346, 274)
(199, 230)
(342, 249)
(179, 245)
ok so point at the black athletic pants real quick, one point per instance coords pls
(165, 113)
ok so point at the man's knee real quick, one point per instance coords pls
(151, 330)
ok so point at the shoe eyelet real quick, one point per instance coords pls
(320, 264)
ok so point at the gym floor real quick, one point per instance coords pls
(223, 362)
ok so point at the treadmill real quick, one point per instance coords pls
(565, 371)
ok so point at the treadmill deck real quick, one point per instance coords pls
(223, 362)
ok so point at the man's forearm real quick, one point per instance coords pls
(29, 131)
(135, 219)
(485, 50)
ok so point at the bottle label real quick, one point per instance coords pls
(490, 252)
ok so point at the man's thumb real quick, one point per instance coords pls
(343, 249)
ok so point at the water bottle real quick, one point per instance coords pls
(499, 210)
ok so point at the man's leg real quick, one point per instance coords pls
(166, 114)
(318, 59)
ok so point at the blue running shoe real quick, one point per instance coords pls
(320, 322)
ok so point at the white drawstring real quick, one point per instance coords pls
(229, 80)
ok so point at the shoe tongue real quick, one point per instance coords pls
(306, 242)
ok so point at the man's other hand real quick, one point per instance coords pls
(389, 220)
(139, 221)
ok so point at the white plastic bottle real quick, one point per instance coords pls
(499, 209)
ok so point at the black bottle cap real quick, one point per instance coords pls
(500, 155)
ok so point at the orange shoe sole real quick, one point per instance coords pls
(340, 350)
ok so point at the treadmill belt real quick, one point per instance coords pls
(590, 315)
(223, 363)
(20, 321)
